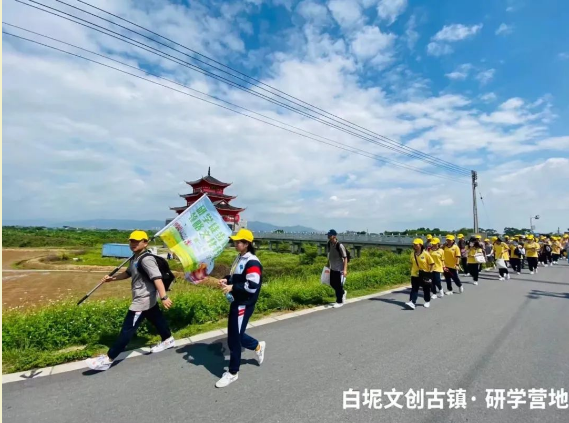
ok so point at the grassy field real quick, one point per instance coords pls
(60, 332)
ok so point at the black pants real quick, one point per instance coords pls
(336, 284)
(132, 321)
(464, 262)
(452, 275)
(555, 257)
(532, 263)
(236, 337)
(436, 286)
(548, 257)
(516, 264)
(503, 271)
(417, 283)
(473, 269)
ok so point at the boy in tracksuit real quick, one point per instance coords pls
(244, 283)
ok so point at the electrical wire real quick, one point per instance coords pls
(311, 136)
(431, 160)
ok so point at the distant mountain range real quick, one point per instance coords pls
(127, 224)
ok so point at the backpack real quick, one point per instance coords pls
(547, 248)
(518, 252)
(348, 255)
(168, 277)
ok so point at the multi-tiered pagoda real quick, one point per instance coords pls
(213, 188)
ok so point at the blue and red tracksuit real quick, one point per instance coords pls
(246, 278)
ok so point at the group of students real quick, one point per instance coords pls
(431, 261)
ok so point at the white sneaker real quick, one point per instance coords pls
(508, 276)
(448, 293)
(226, 379)
(344, 296)
(100, 363)
(536, 270)
(427, 305)
(500, 278)
(461, 289)
(164, 345)
(261, 352)
(518, 273)
(475, 283)
(338, 305)
(441, 294)
(433, 296)
(410, 305)
(531, 273)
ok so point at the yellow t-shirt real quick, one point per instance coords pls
(471, 252)
(424, 260)
(512, 252)
(438, 258)
(451, 255)
(531, 249)
(556, 247)
(501, 251)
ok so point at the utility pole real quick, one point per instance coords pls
(474, 207)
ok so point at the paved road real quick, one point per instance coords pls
(510, 334)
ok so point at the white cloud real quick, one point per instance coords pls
(505, 29)
(438, 49)
(488, 97)
(389, 10)
(554, 143)
(563, 56)
(439, 45)
(446, 202)
(456, 32)
(372, 44)
(76, 134)
(411, 35)
(312, 11)
(348, 13)
(461, 72)
(486, 76)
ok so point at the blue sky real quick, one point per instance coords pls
(481, 84)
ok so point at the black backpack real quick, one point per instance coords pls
(547, 248)
(168, 277)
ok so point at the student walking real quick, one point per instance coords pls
(463, 260)
(244, 283)
(452, 257)
(437, 254)
(338, 264)
(556, 249)
(532, 251)
(421, 267)
(502, 253)
(146, 285)
(489, 251)
(475, 255)
(516, 253)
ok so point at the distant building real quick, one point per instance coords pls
(214, 189)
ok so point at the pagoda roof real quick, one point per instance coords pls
(222, 205)
(181, 208)
(209, 179)
(209, 194)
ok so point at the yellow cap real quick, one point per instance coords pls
(418, 241)
(429, 236)
(478, 237)
(565, 236)
(451, 237)
(529, 236)
(504, 236)
(460, 236)
(138, 236)
(243, 235)
(436, 241)
(494, 238)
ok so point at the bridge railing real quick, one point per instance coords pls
(321, 237)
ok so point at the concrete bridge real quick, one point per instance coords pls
(353, 241)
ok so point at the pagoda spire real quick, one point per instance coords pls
(209, 171)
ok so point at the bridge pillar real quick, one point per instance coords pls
(357, 251)
(270, 245)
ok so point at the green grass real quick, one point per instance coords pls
(44, 336)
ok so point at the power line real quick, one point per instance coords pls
(342, 147)
(401, 149)
(258, 83)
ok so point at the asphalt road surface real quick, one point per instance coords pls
(497, 335)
